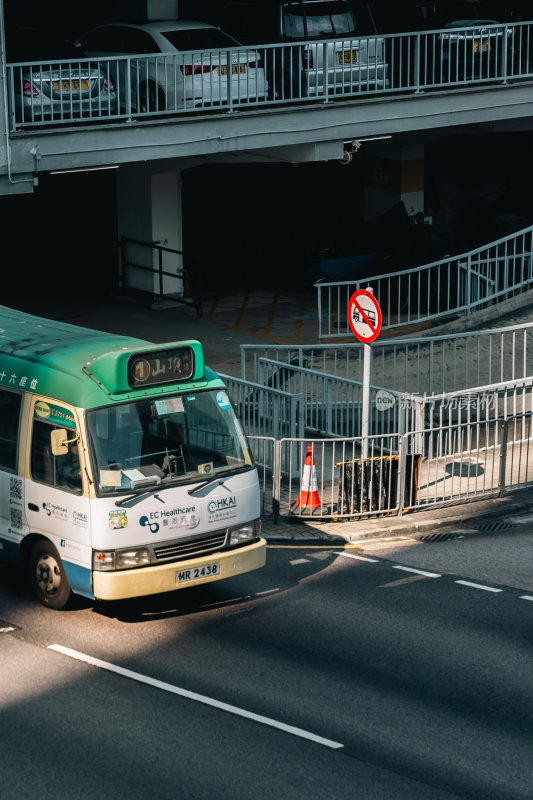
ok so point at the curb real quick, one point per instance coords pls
(484, 511)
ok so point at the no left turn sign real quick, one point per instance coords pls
(364, 316)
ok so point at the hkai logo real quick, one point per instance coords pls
(222, 504)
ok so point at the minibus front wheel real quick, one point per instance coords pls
(47, 576)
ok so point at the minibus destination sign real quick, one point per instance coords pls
(160, 366)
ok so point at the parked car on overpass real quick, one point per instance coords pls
(49, 82)
(312, 47)
(337, 58)
(177, 65)
(474, 42)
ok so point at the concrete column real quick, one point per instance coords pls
(149, 211)
(393, 175)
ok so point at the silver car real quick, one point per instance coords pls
(336, 56)
(49, 82)
(174, 65)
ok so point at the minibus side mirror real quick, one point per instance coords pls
(59, 442)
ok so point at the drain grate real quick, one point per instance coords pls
(439, 537)
(491, 527)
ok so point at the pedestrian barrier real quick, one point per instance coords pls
(333, 405)
(423, 365)
(266, 410)
(265, 452)
(484, 404)
(467, 461)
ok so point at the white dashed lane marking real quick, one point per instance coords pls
(479, 586)
(418, 571)
(425, 574)
(358, 558)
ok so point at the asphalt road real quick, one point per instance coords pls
(395, 671)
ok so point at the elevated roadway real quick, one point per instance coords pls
(297, 133)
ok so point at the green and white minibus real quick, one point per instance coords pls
(123, 468)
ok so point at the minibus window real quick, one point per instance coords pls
(63, 472)
(9, 428)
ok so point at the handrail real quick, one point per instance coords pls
(455, 285)
(189, 276)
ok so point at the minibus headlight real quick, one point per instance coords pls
(133, 558)
(245, 533)
(104, 560)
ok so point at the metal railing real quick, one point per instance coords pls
(470, 460)
(422, 365)
(265, 410)
(120, 87)
(265, 452)
(453, 286)
(485, 404)
(335, 483)
(172, 275)
(332, 405)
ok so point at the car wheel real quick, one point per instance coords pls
(47, 576)
(151, 97)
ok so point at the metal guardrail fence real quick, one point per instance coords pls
(452, 286)
(422, 366)
(120, 87)
(171, 276)
(485, 404)
(470, 460)
(265, 410)
(265, 451)
(332, 405)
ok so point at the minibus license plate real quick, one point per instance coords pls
(347, 56)
(197, 573)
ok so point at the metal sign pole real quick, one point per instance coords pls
(367, 371)
(364, 317)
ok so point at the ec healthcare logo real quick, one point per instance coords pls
(154, 526)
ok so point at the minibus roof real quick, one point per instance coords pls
(89, 368)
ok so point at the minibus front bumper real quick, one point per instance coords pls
(121, 584)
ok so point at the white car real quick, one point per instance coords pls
(176, 65)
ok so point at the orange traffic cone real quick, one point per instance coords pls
(308, 496)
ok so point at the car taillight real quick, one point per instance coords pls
(197, 69)
(259, 64)
(109, 86)
(307, 59)
(25, 88)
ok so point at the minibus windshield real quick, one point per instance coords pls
(182, 438)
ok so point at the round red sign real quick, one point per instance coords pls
(364, 316)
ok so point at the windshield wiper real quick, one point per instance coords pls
(219, 479)
(136, 497)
